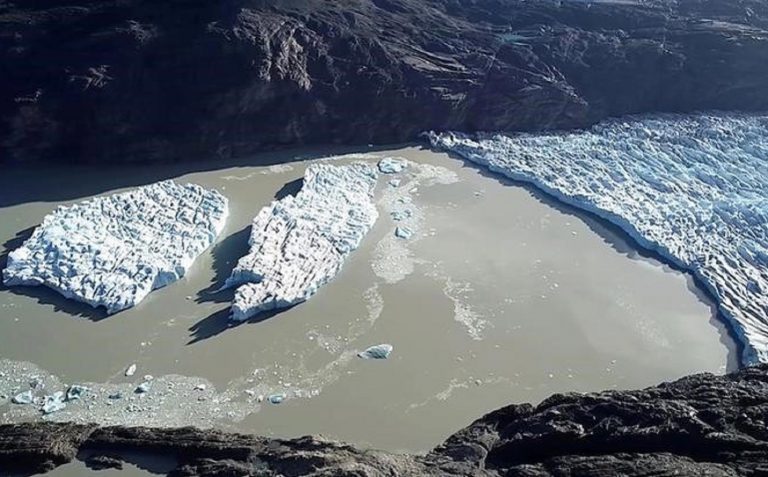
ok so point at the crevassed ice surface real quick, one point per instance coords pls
(298, 244)
(112, 251)
(692, 188)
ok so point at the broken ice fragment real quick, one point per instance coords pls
(395, 182)
(144, 387)
(200, 387)
(54, 403)
(298, 244)
(113, 251)
(76, 391)
(23, 398)
(276, 398)
(131, 370)
(381, 351)
(399, 215)
(403, 233)
(390, 165)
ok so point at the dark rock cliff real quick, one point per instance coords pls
(699, 425)
(170, 80)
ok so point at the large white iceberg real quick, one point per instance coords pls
(692, 188)
(112, 251)
(297, 244)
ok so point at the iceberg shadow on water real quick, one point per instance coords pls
(225, 255)
(218, 322)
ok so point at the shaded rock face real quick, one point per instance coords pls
(140, 80)
(699, 425)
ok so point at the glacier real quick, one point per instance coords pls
(112, 251)
(692, 188)
(298, 244)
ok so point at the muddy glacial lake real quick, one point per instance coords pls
(499, 296)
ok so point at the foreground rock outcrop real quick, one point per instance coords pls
(137, 80)
(699, 425)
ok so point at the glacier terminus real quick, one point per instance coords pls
(693, 189)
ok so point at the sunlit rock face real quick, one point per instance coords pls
(298, 244)
(112, 251)
(692, 188)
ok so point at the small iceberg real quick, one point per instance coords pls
(113, 251)
(76, 391)
(399, 215)
(381, 351)
(403, 233)
(144, 387)
(298, 244)
(276, 398)
(130, 370)
(54, 403)
(23, 398)
(390, 165)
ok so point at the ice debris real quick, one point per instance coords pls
(298, 244)
(390, 165)
(276, 398)
(76, 391)
(54, 403)
(398, 215)
(403, 232)
(691, 188)
(112, 251)
(130, 370)
(381, 351)
(144, 387)
(24, 398)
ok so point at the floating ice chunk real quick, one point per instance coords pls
(399, 215)
(403, 233)
(76, 391)
(112, 251)
(200, 387)
(276, 398)
(23, 398)
(390, 165)
(54, 403)
(298, 244)
(381, 351)
(130, 370)
(395, 182)
(691, 188)
(144, 387)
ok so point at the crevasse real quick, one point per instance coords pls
(694, 189)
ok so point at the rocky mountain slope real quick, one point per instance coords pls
(699, 425)
(148, 80)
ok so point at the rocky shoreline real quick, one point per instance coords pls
(699, 425)
(100, 81)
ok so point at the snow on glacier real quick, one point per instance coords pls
(113, 251)
(692, 188)
(298, 244)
